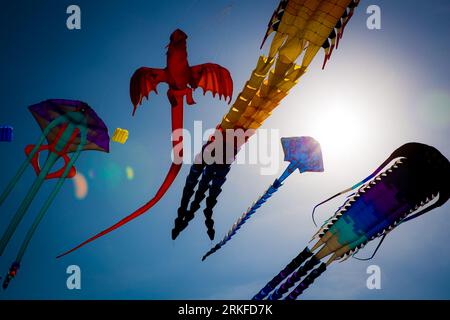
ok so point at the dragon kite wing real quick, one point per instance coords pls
(143, 81)
(213, 77)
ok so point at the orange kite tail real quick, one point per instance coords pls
(176, 100)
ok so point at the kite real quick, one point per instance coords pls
(182, 80)
(69, 127)
(120, 135)
(304, 154)
(6, 134)
(301, 28)
(411, 182)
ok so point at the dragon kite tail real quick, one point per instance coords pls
(296, 276)
(213, 177)
(304, 266)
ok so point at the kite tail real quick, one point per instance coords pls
(220, 173)
(240, 222)
(294, 264)
(15, 266)
(11, 274)
(188, 191)
(200, 194)
(295, 277)
(213, 177)
(177, 123)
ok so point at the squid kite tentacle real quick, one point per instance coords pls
(294, 278)
(20, 213)
(27, 161)
(294, 264)
(307, 281)
(16, 264)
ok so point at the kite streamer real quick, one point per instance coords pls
(413, 181)
(301, 28)
(304, 154)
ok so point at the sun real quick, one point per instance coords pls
(338, 127)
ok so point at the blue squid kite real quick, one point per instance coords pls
(411, 182)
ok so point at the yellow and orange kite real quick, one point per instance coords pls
(301, 28)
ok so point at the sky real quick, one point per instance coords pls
(381, 89)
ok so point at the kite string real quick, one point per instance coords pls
(51, 160)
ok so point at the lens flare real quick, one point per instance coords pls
(91, 173)
(80, 185)
(130, 173)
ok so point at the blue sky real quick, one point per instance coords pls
(393, 83)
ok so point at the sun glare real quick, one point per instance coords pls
(339, 127)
